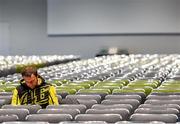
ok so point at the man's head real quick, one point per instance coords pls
(30, 76)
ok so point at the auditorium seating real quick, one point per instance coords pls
(113, 89)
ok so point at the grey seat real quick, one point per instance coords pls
(4, 118)
(157, 111)
(109, 118)
(69, 101)
(51, 118)
(85, 97)
(160, 102)
(135, 103)
(143, 95)
(132, 96)
(59, 98)
(123, 112)
(167, 118)
(32, 108)
(163, 97)
(6, 93)
(127, 122)
(8, 98)
(72, 112)
(25, 122)
(2, 102)
(176, 106)
(100, 94)
(21, 113)
(114, 106)
(124, 122)
(80, 107)
(156, 93)
(131, 122)
(84, 122)
(88, 103)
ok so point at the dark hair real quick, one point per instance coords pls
(28, 71)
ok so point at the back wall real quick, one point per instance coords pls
(27, 21)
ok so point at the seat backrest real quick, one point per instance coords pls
(25, 122)
(21, 113)
(69, 101)
(88, 103)
(6, 93)
(51, 118)
(2, 102)
(131, 122)
(161, 102)
(132, 96)
(135, 103)
(109, 118)
(80, 107)
(176, 106)
(8, 98)
(123, 112)
(72, 112)
(32, 108)
(59, 98)
(84, 122)
(167, 118)
(100, 94)
(115, 106)
(86, 97)
(9, 118)
(157, 111)
(143, 95)
(163, 97)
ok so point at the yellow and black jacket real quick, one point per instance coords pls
(43, 94)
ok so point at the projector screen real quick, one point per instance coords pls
(81, 17)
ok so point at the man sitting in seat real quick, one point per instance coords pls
(34, 90)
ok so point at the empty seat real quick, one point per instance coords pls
(4, 118)
(69, 101)
(109, 118)
(86, 97)
(124, 122)
(142, 94)
(80, 107)
(167, 118)
(25, 122)
(2, 102)
(135, 103)
(157, 111)
(131, 122)
(51, 118)
(21, 113)
(135, 96)
(165, 93)
(84, 122)
(163, 97)
(160, 102)
(176, 106)
(59, 98)
(123, 112)
(102, 94)
(6, 93)
(7, 98)
(88, 103)
(72, 112)
(114, 106)
(32, 108)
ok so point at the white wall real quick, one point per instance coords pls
(112, 16)
(27, 21)
(4, 38)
